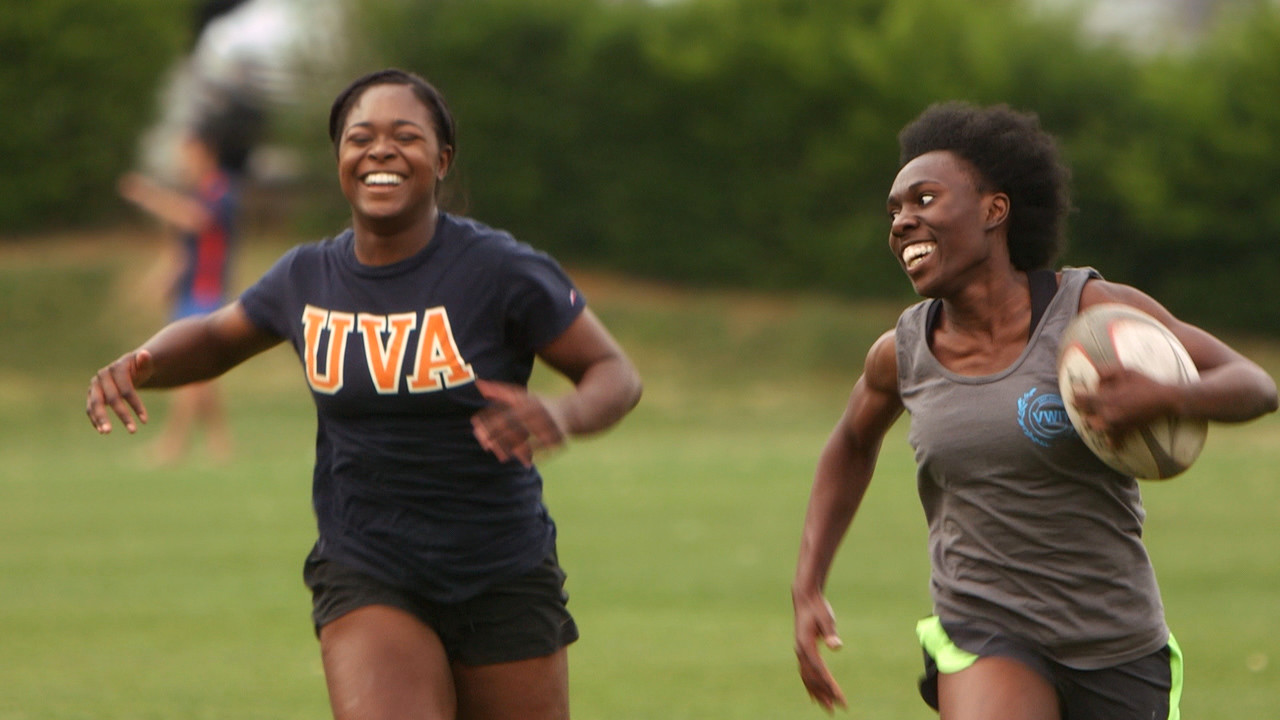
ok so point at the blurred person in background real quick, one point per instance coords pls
(195, 164)
(436, 588)
(1045, 602)
(203, 209)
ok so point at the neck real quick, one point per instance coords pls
(990, 306)
(383, 242)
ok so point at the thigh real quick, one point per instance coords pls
(533, 689)
(381, 662)
(996, 687)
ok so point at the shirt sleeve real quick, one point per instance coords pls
(267, 301)
(541, 300)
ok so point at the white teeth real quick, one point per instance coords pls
(916, 252)
(383, 178)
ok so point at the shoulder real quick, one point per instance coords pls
(481, 246)
(881, 369)
(511, 263)
(482, 237)
(476, 234)
(310, 256)
(913, 323)
(1098, 292)
(314, 250)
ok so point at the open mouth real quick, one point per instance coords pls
(915, 253)
(382, 179)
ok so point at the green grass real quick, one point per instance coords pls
(129, 592)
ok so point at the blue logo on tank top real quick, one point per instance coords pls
(1043, 417)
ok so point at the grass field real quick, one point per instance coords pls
(138, 593)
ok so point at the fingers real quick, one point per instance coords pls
(113, 390)
(1122, 401)
(816, 622)
(817, 679)
(505, 440)
(827, 626)
(516, 424)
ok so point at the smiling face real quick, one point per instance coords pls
(390, 160)
(944, 225)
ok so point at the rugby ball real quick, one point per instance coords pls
(1112, 334)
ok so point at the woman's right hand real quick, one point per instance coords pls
(816, 623)
(115, 387)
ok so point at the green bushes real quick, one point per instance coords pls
(752, 141)
(737, 142)
(78, 83)
(1205, 231)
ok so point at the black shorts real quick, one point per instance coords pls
(1149, 687)
(519, 619)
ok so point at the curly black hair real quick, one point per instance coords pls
(1011, 154)
(427, 93)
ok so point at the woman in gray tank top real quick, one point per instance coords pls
(1045, 602)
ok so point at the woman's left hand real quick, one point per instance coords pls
(517, 423)
(1123, 401)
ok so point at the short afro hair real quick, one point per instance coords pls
(1011, 154)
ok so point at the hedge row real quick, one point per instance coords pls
(78, 85)
(751, 142)
(732, 142)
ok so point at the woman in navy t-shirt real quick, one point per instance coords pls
(436, 589)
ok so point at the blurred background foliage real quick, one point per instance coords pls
(744, 143)
(77, 81)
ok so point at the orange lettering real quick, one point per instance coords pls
(385, 360)
(314, 321)
(439, 363)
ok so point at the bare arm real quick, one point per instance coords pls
(176, 208)
(606, 387)
(844, 471)
(1231, 388)
(185, 351)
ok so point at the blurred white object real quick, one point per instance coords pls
(247, 61)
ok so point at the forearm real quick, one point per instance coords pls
(838, 488)
(606, 392)
(169, 205)
(1232, 393)
(201, 348)
(181, 353)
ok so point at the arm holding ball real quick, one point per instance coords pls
(1231, 388)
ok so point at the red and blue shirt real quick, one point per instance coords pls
(202, 286)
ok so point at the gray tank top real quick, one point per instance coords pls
(1029, 533)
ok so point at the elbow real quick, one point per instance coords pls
(628, 388)
(604, 399)
(625, 381)
(1255, 395)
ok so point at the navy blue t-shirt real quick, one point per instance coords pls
(402, 490)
